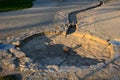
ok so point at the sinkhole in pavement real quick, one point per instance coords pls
(77, 49)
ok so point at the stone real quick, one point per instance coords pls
(22, 65)
(22, 69)
(1, 41)
(25, 62)
(16, 43)
(7, 62)
(3, 53)
(12, 66)
(46, 43)
(26, 59)
(18, 48)
(17, 53)
(53, 67)
(65, 49)
(8, 38)
(9, 55)
(33, 70)
(33, 67)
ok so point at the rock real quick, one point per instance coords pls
(12, 66)
(34, 67)
(8, 38)
(16, 43)
(7, 62)
(65, 49)
(3, 53)
(25, 59)
(53, 67)
(1, 41)
(25, 62)
(33, 70)
(17, 53)
(9, 55)
(22, 65)
(46, 43)
(22, 69)
(18, 48)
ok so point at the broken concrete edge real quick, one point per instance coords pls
(16, 60)
(97, 39)
(24, 68)
(58, 32)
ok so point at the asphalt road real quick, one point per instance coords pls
(43, 13)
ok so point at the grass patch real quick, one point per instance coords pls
(9, 5)
(17, 76)
(8, 78)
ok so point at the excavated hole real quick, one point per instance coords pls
(71, 29)
(48, 48)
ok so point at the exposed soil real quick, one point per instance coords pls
(81, 49)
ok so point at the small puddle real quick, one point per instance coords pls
(6, 46)
(114, 42)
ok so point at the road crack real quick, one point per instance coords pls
(72, 25)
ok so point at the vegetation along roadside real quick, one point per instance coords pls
(10, 5)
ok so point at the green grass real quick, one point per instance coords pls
(16, 76)
(7, 78)
(9, 5)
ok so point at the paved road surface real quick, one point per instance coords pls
(41, 14)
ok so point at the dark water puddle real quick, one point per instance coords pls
(6, 46)
(116, 43)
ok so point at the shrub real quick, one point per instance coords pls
(8, 5)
